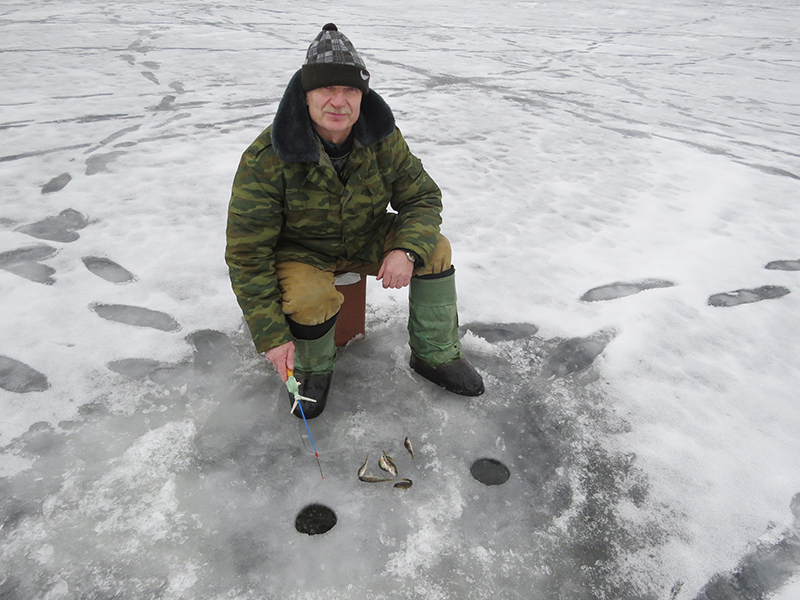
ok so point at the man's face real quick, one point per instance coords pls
(334, 110)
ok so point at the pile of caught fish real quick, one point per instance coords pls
(387, 464)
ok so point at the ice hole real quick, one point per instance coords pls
(490, 471)
(315, 519)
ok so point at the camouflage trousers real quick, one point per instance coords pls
(309, 295)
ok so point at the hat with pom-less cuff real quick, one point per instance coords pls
(332, 60)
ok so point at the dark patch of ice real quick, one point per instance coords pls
(16, 376)
(56, 183)
(137, 316)
(24, 262)
(761, 572)
(61, 228)
(490, 471)
(149, 76)
(152, 65)
(577, 354)
(178, 87)
(737, 297)
(315, 519)
(213, 351)
(173, 376)
(621, 289)
(107, 269)
(134, 368)
(784, 265)
(501, 332)
(98, 163)
(93, 409)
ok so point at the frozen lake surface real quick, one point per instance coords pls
(620, 187)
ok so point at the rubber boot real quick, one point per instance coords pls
(313, 368)
(433, 335)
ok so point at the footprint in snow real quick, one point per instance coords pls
(577, 354)
(61, 228)
(108, 269)
(213, 353)
(501, 332)
(25, 263)
(621, 289)
(98, 163)
(56, 183)
(16, 376)
(134, 368)
(136, 316)
(737, 297)
(784, 265)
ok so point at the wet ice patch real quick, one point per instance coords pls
(61, 228)
(107, 269)
(16, 376)
(25, 263)
(621, 289)
(737, 297)
(765, 569)
(136, 316)
(57, 183)
(784, 265)
(131, 501)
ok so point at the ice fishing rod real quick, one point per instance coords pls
(294, 389)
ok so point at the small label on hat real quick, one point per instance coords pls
(364, 75)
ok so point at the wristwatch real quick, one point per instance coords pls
(411, 256)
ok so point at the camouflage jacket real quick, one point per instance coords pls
(289, 204)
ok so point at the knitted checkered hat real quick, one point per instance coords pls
(332, 60)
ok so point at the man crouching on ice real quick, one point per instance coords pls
(310, 200)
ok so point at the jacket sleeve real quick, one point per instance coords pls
(417, 200)
(255, 218)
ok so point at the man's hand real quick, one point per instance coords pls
(282, 357)
(396, 270)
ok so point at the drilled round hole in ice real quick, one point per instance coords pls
(315, 519)
(490, 471)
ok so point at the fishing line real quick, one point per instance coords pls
(294, 388)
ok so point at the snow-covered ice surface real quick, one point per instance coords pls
(617, 177)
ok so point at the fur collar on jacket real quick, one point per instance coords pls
(293, 136)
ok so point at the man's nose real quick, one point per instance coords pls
(338, 98)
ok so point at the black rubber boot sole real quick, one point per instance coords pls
(457, 376)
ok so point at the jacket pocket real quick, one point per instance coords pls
(309, 215)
